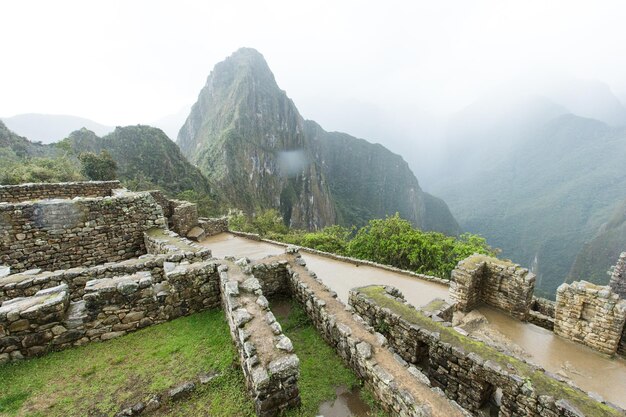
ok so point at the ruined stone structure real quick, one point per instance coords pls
(66, 190)
(481, 279)
(267, 361)
(84, 231)
(618, 277)
(474, 375)
(590, 314)
(415, 362)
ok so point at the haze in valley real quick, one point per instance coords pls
(512, 112)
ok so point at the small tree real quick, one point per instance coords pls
(98, 167)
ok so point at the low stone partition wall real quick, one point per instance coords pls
(109, 308)
(482, 279)
(542, 313)
(213, 226)
(590, 314)
(85, 231)
(470, 372)
(270, 368)
(66, 190)
(159, 241)
(27, 283)
(274, 277)
(29, 325)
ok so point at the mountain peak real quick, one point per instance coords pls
(249, 139)
(244, 63)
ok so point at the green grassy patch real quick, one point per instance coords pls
(102, 378)
(321, 369)
(157, 233)
(540, 382)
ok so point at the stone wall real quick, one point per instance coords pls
(85, 231)
(66, 190)
(213, 226)
(162, 201)
(469, 372)
(358, 354)
(28, 283)
(274, 277)
(270, 368)
(184, 216)
(542, 313)
(109, 308)
(618, 277)
(590, 314)
(160, 241)
(481, 279)
(163, 247)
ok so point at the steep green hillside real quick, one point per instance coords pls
(602, 252)
(247, 136)
(367, 181)
(25, 161)
(20, 146)
(546, 197)
(145, 157)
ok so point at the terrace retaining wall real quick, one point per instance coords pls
(109, 308)
(63, 234)
(66, 190)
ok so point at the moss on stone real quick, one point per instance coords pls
(161, 234)
(540, 382)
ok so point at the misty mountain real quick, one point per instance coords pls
(592, 99)
(48, 128)
(601, 253)
(20, 147)
(248, 137)
(545, 196)
(171, 123)
(146, 158)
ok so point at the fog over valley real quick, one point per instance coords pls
(512, 112)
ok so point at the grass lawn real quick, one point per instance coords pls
(101, 378)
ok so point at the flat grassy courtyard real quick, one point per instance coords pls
(102, 378)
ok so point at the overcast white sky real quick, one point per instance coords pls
(128, 62)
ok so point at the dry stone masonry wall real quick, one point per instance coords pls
(267, 361)
(469, 372)
(590, 314)
(84, 231)
(481, 279)
(109, 308)
(66, 190)
(359, 354)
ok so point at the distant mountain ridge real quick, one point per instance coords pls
(146, 158)
(601, 253)
(49, 128)
(541, 200)
(248, 137)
